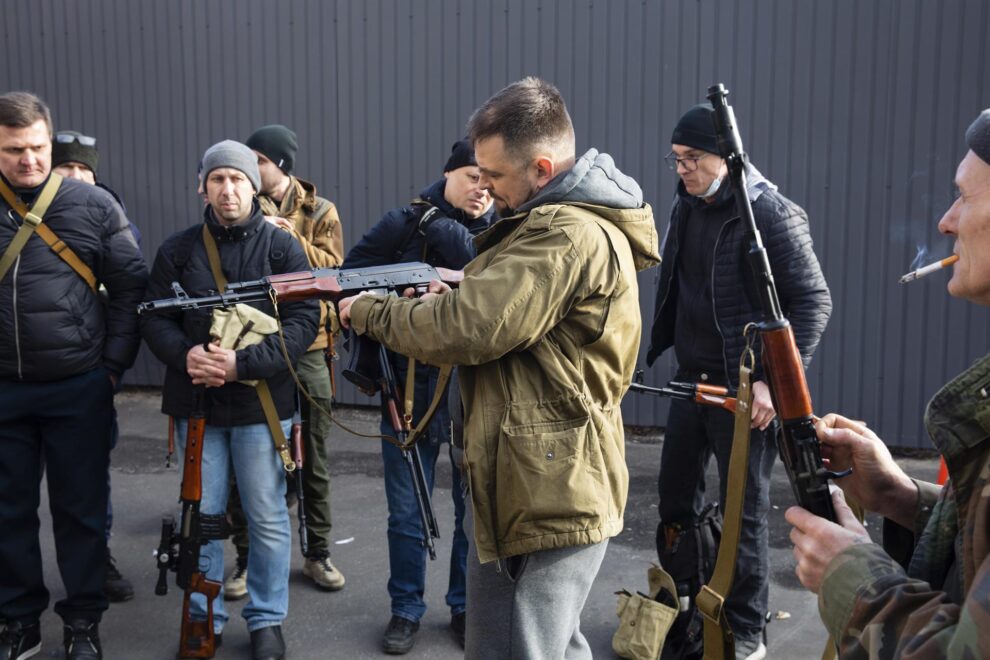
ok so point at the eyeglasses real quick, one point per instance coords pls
(69, 138)
(689, 163)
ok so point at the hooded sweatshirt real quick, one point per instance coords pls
(546, 327)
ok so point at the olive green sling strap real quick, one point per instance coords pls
(33, 219)
(264, 394)
(442, 379)
(718, 637)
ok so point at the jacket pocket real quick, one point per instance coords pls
(549, 474)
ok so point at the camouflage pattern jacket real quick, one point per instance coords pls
(935, 601)
(316, 228)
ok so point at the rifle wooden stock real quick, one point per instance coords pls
(196, 638)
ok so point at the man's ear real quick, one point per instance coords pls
(545, 170)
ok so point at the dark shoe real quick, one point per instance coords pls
(457, 625)
(399, 636)
(19, 641)
(116, 587)
(267, 644)
(81, 639)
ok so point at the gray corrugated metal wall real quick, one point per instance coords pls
(855, 108)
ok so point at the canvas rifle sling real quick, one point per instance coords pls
(442, 379)
(718, 637)
(33, 219)
(264, 394)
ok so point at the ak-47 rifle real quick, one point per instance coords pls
(179, 549)
(334, 284)
(299, 457)
(392, 400)
(797, 441)
(703, 393)
(331, 284)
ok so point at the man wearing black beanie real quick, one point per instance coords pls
(437, 227)
(705, 298)
(292, 204)
(925, 593)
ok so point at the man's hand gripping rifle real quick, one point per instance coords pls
(797, 441)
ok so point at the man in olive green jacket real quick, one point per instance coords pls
(546, 327)
(292, 204)
(926, 593)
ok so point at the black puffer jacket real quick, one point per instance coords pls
(801, 287)
(52, 325)
(247, 252)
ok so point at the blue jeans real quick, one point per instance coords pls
(261, 479)
(695, 432)
(406, 555)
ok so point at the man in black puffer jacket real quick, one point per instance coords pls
(439, 228)
(237, 434)
(706, 296)
(62, 352)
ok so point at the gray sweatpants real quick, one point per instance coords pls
(529, 606)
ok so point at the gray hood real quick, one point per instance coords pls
(594, 179)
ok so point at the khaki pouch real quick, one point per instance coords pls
(240, 326)
(644, 622)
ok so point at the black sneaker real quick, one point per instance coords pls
(457, 626)
(81, 639)
(19, 641)
(399, 636)
(267, 644)
(116, 587)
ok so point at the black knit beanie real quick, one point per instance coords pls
(696, 129)
(66, 148)
(461, 155)
(277, 143)
(978, 136)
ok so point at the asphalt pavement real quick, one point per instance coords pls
(349, 623)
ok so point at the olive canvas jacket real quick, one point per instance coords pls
(937, 604)
(317, 229)
(546, 327)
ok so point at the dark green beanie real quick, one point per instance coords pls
(277, 143)
(66, 148)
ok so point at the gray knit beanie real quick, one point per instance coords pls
(232, 154)
(978, 136)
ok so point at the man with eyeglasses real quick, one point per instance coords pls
(706, 296)
(62, 352)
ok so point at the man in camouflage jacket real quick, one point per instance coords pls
(926, 593)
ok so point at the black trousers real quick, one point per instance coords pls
(695, 432)
(64, 426)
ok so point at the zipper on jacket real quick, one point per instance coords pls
(17, 330)
(725, 358)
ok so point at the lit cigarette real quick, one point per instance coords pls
(929, 269)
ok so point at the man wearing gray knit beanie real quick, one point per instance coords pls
(239, 433)
(936, 598)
